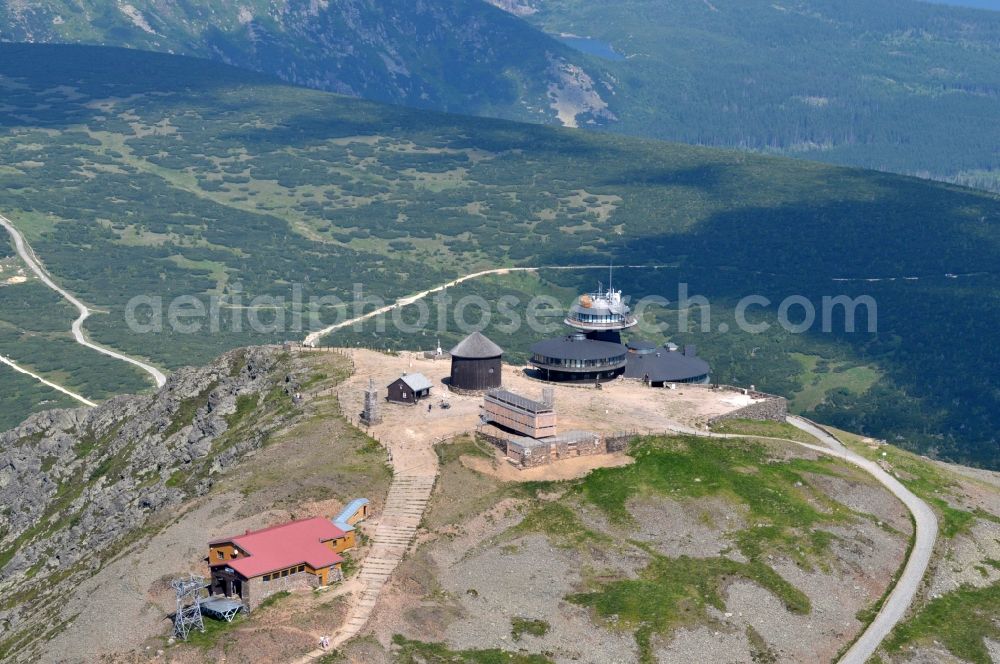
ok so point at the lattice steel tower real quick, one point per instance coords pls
(188, 615)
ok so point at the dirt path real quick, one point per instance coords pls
(398, 523)
(35, 265)
(314, 337)
(415, 469)
(13, 365)
(899, 600)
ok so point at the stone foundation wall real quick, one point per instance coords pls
(495, 441)
(618, 443)
(545, 454)
(773, 409)
(259, 590)
(467, 393)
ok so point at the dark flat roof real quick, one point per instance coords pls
(569, 348)
(641, 346)
(665, 366)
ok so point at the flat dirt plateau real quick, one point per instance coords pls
(699, 551)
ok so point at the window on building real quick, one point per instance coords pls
(221, 555)
(267, 578)
(284, 572)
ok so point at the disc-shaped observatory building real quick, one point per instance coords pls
(594, 351)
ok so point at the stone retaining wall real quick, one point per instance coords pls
(546, 453)
(259, 590)
(464, 392)
(772, 408)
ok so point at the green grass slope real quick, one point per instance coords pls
(141, 174)
(787, 519)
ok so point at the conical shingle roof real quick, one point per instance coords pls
(476, 345)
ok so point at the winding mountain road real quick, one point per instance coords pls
(35, 265)
(899, 599)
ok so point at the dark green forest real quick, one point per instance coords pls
(898, 85)
(22, 395)
(142, 174)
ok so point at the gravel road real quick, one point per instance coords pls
(899, 600)
(59, 388)
(28, 256)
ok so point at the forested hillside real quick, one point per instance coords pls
(140, 174)
(460, 56)
(898, 85)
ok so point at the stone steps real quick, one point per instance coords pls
(401, 516)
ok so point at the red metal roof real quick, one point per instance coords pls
(283, 546)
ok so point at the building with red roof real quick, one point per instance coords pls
(259, 563)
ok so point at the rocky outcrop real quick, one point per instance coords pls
(574, 96)
(75, 483)
(515, 7)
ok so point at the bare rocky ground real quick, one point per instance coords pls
(676, 529)
(310, 468)
(466, 582)
(965, 560)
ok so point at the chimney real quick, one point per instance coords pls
(549, 397)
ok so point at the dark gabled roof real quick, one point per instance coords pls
(476, 346)
(524, 403)
(573, 348)
(665, 366)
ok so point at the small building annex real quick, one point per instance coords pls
(353, 513)
(409, 388)
(660, 365)
(259, 563)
